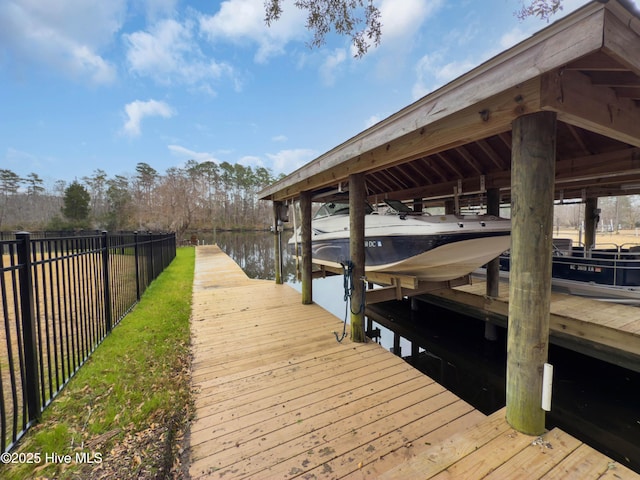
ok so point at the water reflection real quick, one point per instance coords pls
(254, 252)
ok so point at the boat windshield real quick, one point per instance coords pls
(334, 208)
(329, 209)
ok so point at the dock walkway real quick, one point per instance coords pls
(277, 397)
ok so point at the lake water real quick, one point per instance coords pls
(595, 401)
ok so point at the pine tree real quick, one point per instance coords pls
(76, 205)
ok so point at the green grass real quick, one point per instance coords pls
(126, 408)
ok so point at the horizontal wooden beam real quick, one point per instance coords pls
(595, 108)
(402, 281)
(396, 292)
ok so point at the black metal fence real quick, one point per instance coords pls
(60, 297)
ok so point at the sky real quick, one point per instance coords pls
(89, 85)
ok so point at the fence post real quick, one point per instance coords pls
(107, 280)
(31, 380)
(152, 265)
(136, 250)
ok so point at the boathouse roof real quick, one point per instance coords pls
(456, 141)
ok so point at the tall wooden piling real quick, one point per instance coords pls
(357, 198)
(532, 188)
(493, 267)
(305, 234)
(277, 230)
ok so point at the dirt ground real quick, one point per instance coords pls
(603, 239)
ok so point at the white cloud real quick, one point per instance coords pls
(279, 138)
(156, 9)
(188, 154)
(251, 161)
(136, 111)
(286, 161)
(401, 33)
(67, 35)
(400, 23)
(372, 120)
(432, 73)
(331, 64)
(18, 159)
(512, 37)
(242, 21)
(437, 68)
(169, 54)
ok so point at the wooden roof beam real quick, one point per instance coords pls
(491, 154)
(442, 157)
(389, 180)
(576, 135)
(614, 79)
(472, 185)
(597, 62)
(417, 174)
(596, 108)
(629, 92)
(615, 164)
(430, 163)
(374, 183)
(464, 153)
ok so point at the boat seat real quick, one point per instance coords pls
(563, 246)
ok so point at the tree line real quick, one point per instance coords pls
(198, 196)
(616, 213)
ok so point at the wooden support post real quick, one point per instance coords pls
(449, 207)
(357, 198)
(590, 223)
(277, 230)
(532, 188)
(305, 227)
(493, 267)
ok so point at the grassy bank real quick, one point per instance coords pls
(123, 414)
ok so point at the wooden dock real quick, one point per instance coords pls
(607, 331)
(277, 397)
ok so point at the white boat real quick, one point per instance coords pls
(401, 241)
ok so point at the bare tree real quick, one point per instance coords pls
(120, 208)
(97, 184)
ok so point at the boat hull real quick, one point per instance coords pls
(435, 258)
(605, 275)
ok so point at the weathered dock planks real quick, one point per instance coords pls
(278, 397)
